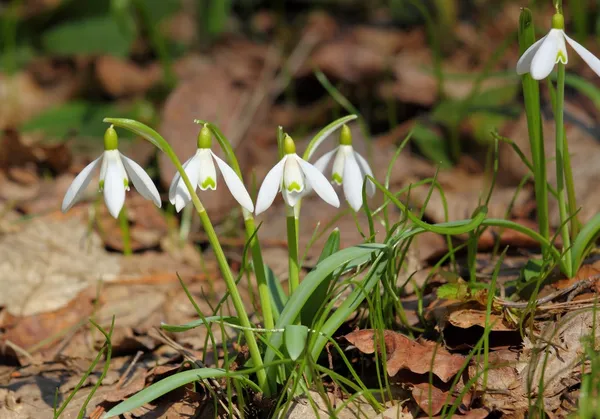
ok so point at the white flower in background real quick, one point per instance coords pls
(540, 58)
(350, 170)
(115, 172)
(295, 178)
(200, 169)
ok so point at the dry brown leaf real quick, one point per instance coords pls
(430, 399)
(30, 330)
(401, 352)
(301, 408)
(504, 391)
(346, 60)
(122, 77)
(49, 262)
(554, 357)
(395, 412)
(467, 318)
(471, 414)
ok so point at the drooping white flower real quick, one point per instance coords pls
(115, 172)
(539, 59)
(294, 177)
(200, 169)
(350, 169)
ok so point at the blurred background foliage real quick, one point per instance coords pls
(69, 32)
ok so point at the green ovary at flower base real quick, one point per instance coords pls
(116, 171)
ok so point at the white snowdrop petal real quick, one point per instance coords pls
(524, 63)
(337, 171)
(323, 161)
(353, 182)
(589, 58)
(207, 174)
(270, 187)
(235, 185)
(293, 176)
(140, 179)
(545, 58)
(175, 181)
(182, 195)
(292, 198)
(318, 182)
(79, 184)
(114, 185)
(366, 170)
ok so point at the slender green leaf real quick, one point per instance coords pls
(171, 383)
(318, 297)
(295, 339)
(278, 296)
(140, 129)
(584, 239)
(324, 133)
(293, 308)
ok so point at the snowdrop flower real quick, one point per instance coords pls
(200, 169)
(540, 58)
(294, 177)
(350, 169)
(115, 172)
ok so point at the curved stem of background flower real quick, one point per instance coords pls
(560, 172)
(156, 139)
(259, 267)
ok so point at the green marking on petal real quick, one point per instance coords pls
(337, 178)
(101, 185)
(561, 57)
(294, 186)
(208, 183)
(126, 183)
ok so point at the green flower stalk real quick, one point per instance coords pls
(156, 139)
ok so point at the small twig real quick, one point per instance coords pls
(548, 298)
(129, 368)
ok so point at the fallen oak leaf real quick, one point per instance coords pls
(467, 318)
(430, 399)
(401, 352)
